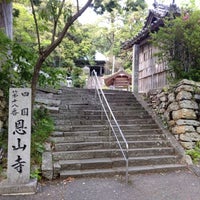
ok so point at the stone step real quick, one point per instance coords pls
(103, 163)
(96, 133)
(110, 153)
(121, 170)
(134, 127)
(105, 145)
(98, 122)
(136, 115)
(59, 138)
(79, 122)
(99, 112)
(81, 138)
(84, 145)
(87, 109)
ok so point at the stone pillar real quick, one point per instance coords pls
(19, 144)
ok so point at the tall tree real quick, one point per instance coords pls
(56, 9)
(6, 17)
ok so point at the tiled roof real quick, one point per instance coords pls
(153, 21)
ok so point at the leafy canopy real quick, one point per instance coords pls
(178, 42)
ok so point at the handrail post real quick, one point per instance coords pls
(101, 109)
(127, 162)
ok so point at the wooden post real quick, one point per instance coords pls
(135, 68)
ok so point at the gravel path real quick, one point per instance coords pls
(179, 185)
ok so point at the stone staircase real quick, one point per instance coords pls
(83, 146)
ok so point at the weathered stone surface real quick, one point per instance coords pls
(167, 116)
(188, 145)
(197, 98)
(185, 88)
(47, 165)
(173, 106)
(1, 93)
(182, 129)
(189, 82)
(181, 111)
(57, 168)
(171, 123)
(163, 98)
(188, 122)
(184, 114)
(190, 137)
(198, 130)
(1, 124)
(188, 104)
(47, 146)
(183, 95)
(18, 189)
(171, 97)
(49, 102)
(188, 160)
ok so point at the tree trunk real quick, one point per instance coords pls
(6, 19)
(48, 50)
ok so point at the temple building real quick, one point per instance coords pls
(147, 72)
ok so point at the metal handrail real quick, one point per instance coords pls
(111, 116)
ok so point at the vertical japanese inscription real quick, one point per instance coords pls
(19, 135)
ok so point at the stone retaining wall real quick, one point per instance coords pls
(179, 106)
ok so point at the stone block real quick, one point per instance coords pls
(190, 137)
(47, 165)
(182, 129)
(1, 93)
(184, 114)
(171, 97)
(198, 130)
(188, 122)
(189, 82)
(29, 188)
(188, 160)
(173, 106)
(57, 168)
(1, 124)
(188, 145)
(171, 123)
(188, 104)
(167, 116)
(187, 88)
(163, 98)
(197, 97)
(183, 95)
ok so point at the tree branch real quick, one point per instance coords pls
(56, 21)
(70, 21)
(77, 3)
(36, 27)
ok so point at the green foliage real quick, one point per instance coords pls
(121, 22)
(78, 79)
(52, 76)
(43, 126)
(16, 67)
(195, 153)
(41, 129)
(23, 25)
(178, 43)
(36, 174)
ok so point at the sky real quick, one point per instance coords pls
(90, 17)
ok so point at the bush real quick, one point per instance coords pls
(43, 126)
(178, 43)
(195, 153)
